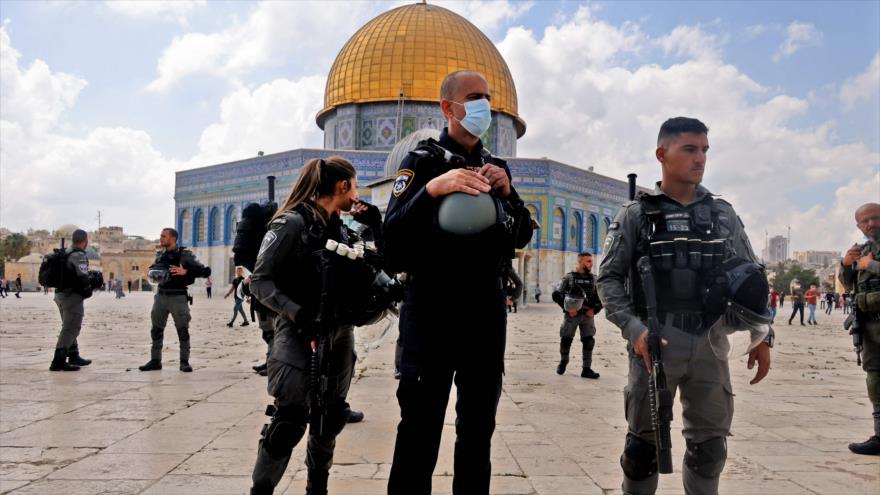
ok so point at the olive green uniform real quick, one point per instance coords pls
(691, 366)
(869, 304)
(69, 300)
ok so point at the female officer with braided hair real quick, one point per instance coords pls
(287, 279)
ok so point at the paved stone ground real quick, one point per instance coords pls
(112, 429)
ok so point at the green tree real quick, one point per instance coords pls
(784, 276)
(16, 246)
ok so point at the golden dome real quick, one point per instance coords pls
(411, 49)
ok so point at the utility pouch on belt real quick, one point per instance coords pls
(869, 302)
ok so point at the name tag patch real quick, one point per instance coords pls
(402, 182)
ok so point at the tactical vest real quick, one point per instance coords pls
(587, 283)
(683, 243)
(868, 284)
(436, 160)
(166, 259)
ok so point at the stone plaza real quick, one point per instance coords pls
(112, 429)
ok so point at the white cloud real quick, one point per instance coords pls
(488, 16)
(273, 33)
(797, 35)
(33, 97)
(865, 86)
(276, 116)
(161, 10)
(756, 30)
(48, 179)
(591, 110)
(690, 41)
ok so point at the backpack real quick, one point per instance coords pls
(52, 269)
(249, 233)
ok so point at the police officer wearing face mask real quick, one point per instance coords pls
(861, 268)
(452, 224)
(686, 232)
(174, 270)
(582, 284)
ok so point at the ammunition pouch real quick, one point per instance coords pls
(868, 297)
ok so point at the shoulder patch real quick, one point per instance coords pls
(268, 240)
(278, 221)
(614, 226)
(83, 267)
(402, 182)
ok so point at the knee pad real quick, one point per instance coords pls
(706, 458)
(284, 431)
(589, 343)
(639, 459)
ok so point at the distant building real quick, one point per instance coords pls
(776, 250)
(817, 259)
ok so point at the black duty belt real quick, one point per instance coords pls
(691, 323)
(871, 316)
(471, 284)
(172, 292)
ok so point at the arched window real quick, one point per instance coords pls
(592, 234)
(559, 227)
(199, 227)
(536, 234)
(576, 226)
(214, 225)
(184, 227)
(230, 223)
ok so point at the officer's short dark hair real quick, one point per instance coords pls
(79, 236)
(675, 126)
(171, 232)
(450, 83)
(585, 254)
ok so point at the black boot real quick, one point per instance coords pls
(560, 370)
(59, 362)
(355, 416)
(317, 482)
(73, 357)
(260, 367)
(152, 364)
(262, 490)
(185, 367)
(870, 446)
(589, 373)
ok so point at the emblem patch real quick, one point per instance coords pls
(614, 226)
(404, 178)
(84, 267)
(268, 240)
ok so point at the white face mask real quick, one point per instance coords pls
(477, 117)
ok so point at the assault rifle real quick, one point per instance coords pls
(319, 365)
(659, 395)
(853, 322)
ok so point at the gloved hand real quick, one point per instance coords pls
(367, 214)
(305, 322)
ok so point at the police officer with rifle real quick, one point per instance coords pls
(321, 280)
(860, 274)
(68, 272)
(676, 243)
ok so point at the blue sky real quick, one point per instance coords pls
(762, 73)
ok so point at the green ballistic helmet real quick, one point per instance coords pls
(464, 214)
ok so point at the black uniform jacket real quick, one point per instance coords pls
(414, 243)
